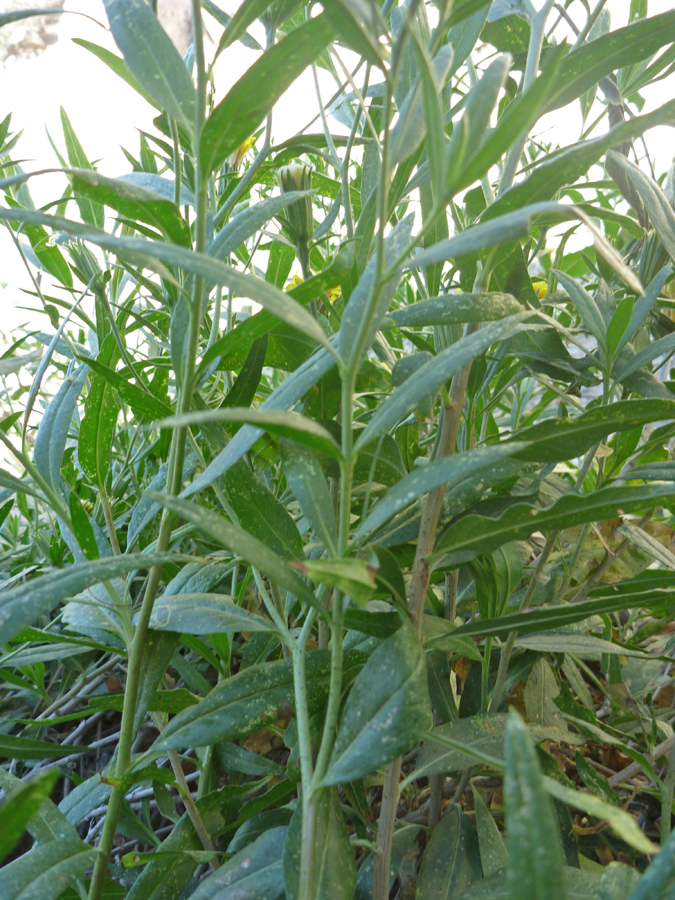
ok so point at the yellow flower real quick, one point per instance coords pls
(332, 294)
(540, 288)
(294, 282)
(235, 159)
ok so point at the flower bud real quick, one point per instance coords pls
(298, 216)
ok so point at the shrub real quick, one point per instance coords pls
(357, 573)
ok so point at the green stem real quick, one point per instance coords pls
(174, 485)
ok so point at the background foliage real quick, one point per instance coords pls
(366, 589)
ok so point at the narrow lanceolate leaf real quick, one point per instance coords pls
(14, 747)
(50, 441)
(306, 479)
(240, 542)
(256, 871)
(546, 618)
(44, 872)
(492, 848)
(450, 470)
(452, 859)
(257, 510)
(584, 67)
(387, 710)
(333, 872)
(16, 813)
(660, 211)
(247, 103)
(204, 614)
(22, 605)
(454, 309)
(479, 534)
(101, 410)
(244, 703)
(288, 393)
(132, 201)
(275, 301)
(621, 822)
(429, 378)
(556, 439)
(152, 58)
(532, 835)
(48, 823)
(9, 17)
(289, 425)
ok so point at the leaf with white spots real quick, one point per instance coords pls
(387, 711)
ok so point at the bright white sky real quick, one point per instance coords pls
(105, 114)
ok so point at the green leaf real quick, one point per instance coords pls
(50, 441)
(19, 809)
(289, 425)
(449, 470)
(119, 67)
(101, 410)
(451, 861)
(169, 875)
(47, 823)
(659, 879)
(132, 201)
(261, 514)
(288, 393)
(541, 689)
(22, 605)
(9, 17)
(76, 156)
(144, 403)
(255, 871)
(578, 884)
(555, 439)
(464, 743)
(587, 308)
(334, 867)
(480, 534)
(570, 165)
(585, 646)
(584, 67)
(204, 614)
(664, 346)
(306, 479)
(535, 860)
(45, 871)
(387, 710)
(84, 531)
(353, 339)
(244, 703)
(247, 103)
(621, 822)
(429, 378)
(152, 58)
(411, 125)
(240, 542)
(154, 253)
(493, 854)
(246, 14)
(353, 577)
(454, 309)
(13, 747)
(249, 221)
(358, 26)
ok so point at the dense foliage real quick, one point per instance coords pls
(364, 590)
